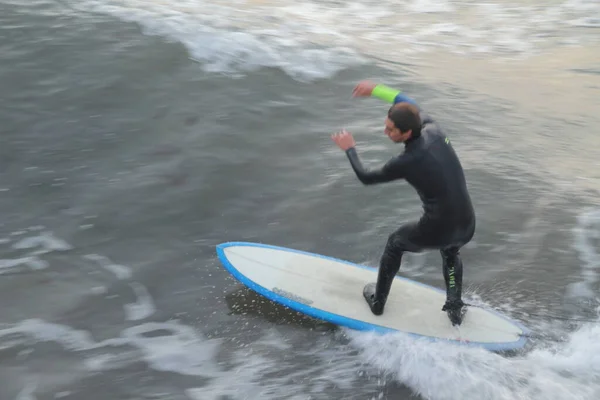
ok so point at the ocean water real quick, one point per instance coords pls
(135, 135)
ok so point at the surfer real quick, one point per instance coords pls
(431, 166)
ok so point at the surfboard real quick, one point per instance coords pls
(330, 289)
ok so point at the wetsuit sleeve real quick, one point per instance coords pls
(391, 95)
(392, 170)
(395, 96)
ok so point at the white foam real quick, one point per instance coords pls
(103, 362)
(580, 5)
(34, 263)
(38, 245)
(262, 372)
(27, 392)
(565, 370)
(181, 350)
(173, 347)
(313, 40)
(430, 6)
(444, 372)
(588, 227)
(233, 38)
(99, 290)
(144, 305)
(46, 241)
(43, 331)
(143, 308)
(122, 272)
(263, 369)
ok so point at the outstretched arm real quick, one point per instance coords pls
(385, 93)
(391, 95)
(391, 171)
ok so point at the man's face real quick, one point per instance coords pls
(394, 133)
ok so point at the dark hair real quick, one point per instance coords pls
(405, 117)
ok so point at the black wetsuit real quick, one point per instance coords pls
(431, 166)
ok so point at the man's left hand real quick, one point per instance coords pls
(344, 140)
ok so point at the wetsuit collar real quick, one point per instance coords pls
(411, 140)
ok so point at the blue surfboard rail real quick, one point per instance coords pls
(350, 322)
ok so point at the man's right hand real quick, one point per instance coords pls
(363, 89)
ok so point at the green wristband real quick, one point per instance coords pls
(385, 93)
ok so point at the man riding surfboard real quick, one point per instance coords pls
(430, 165)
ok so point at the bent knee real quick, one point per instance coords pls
(450, 252)
(394, 244)
(398, 242)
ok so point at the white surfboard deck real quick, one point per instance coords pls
(331, 289)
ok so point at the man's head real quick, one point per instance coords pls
(403, 122)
